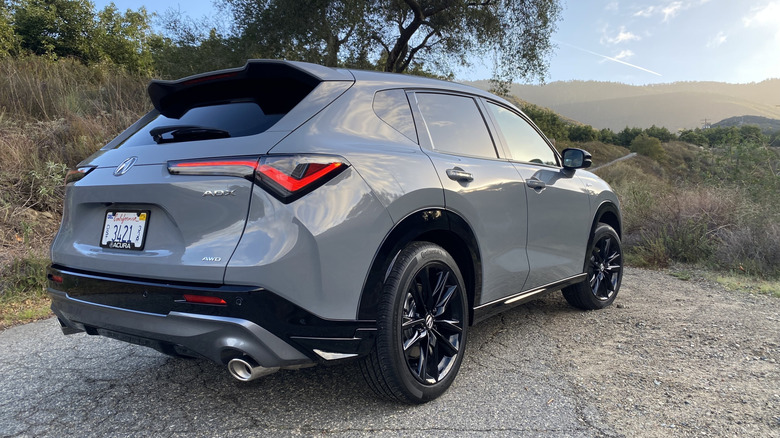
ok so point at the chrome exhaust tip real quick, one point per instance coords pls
(246, 369)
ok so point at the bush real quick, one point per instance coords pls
(648, 146)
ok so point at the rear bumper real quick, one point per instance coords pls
(253, 322)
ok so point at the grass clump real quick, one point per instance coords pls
(23, 291)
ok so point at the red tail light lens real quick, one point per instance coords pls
(290, 177)
(286, 177)
(242, 167)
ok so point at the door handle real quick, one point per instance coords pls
(535, 183)
(458, 174)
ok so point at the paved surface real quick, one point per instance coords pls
(80, 385)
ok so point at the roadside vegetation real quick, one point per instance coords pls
(72, 78)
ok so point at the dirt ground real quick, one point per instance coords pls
(675, 358)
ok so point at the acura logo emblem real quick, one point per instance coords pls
(125, 166)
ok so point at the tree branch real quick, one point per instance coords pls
(416, 49)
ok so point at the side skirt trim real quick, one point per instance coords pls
(484, 311)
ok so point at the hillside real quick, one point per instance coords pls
(767, 125)
(680, 105)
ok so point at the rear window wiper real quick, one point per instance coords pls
(174, 133)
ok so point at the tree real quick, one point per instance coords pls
(8, 42)
(607, 136)
(583, 133)
(320, 31)
(125, 39)
(660, 133)
(56, 28)
(397, 35)
(649, 146)
(627, 135)
(694, 136)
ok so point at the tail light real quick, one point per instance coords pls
(74, 175)
(286, 177)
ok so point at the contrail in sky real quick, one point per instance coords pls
(609, 58)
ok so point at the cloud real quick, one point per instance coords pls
(668, 10)
(612, 6)
(647, 12)
(717, 40)
(671, 10)
(624, 54)
(622, 36)
(763, 15)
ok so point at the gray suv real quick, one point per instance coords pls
(286, 214)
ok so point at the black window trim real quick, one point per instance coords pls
(424, 134)
(502, 139)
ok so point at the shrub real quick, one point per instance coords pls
(648, 146)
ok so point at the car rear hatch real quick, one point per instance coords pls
(168, 198)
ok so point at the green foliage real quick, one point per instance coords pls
(583, 133)
(395, 36)
(648, 146)
(627, 135)
(694, 136)
(607, 136)
(551, 124)
(56, 28)
(126, 39)
(59, 29)
(661, 134)
(9, 46)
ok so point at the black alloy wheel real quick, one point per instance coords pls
(604, 270)
(421, 328)
(432, 325)
(606, 267)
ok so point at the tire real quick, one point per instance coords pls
(604, 268)
(422, 327)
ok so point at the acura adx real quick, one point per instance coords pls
(286, 214)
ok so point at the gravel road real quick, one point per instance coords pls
(671, 358)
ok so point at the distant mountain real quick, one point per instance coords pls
(675, 106)
(768, 126)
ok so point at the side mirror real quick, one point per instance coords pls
(576, 159)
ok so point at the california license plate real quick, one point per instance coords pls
(124, 229)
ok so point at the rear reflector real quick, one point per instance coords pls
(201, 299)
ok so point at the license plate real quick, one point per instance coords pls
(124, 229)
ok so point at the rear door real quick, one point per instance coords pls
(480, 187)
(559, 217)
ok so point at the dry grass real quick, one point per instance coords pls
(52, 116)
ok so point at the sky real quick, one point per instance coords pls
(635, 42)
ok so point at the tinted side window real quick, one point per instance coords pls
(238, 119)
(393, 108)
(456, 125)
(524, 142)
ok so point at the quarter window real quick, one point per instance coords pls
(456, 125)
(524, 142)
(393, 108)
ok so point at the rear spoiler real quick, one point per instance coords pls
(277, 85)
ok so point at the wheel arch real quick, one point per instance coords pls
(608, 213)
(436, 225)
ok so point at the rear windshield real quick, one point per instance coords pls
(237, 119)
